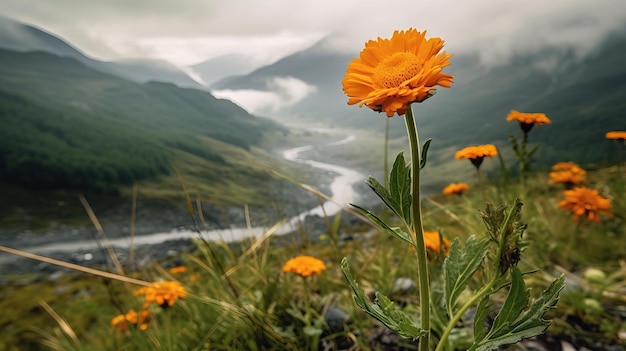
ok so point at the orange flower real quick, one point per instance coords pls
(618, 135)
(179, 269)
(527, 120)
(163, 294)
(389, 74)
(432, 241)
(477, 153)
(121, 321)
(585, 202)
(455, 188)
(304, 266)
(567, 173)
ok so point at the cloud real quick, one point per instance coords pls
(282, 92)
(191, 30)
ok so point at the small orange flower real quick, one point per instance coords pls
(433, 240)
(527, 120)
(163, 294)
(455, 188)
(121, 321)
(476, 154)
(304, 266)
(617, 135)
(177, 270)
(389, 74)
(585, 202)
(568, 173)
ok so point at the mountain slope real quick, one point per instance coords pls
(584, 97)
(67, 125)
(24, 38)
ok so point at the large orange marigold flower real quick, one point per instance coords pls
(389, 74)
(585, 202)
(618, 135)
(476, 154)
(527, 120)
(163, 294)
(568, 173)
(304, 266)
(455, 188)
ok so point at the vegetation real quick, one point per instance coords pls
(238, 297)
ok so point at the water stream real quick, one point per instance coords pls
(341, 189)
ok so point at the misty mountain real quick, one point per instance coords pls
(66, 125)
(24, 38)
(213, 70)
(583, 96)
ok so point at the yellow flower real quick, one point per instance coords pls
(432, 241)
(455, 188)
(121, 321)
(476, 154)
(179, 269)
(391, 73)
(304, 266)
(618, 135)
(568, 173)
(163, 294)
(585, 202)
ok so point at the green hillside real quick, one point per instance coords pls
(68, 126)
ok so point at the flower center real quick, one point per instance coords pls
(396, 69)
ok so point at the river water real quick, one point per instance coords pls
(341, 189)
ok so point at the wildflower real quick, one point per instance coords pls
(163, 294)
(179, 269)
(433, 240)
(389, 74)
(585, 202)
(304, 266)
(476, 153)
(568, 173)
(527, 120)
(617, 135)
(121, 321)
(455, 188)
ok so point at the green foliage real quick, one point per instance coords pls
(382, 309)
(459, 268)
(512, 324)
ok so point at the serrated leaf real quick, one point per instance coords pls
(382, 309)
(529, 324)
(382, 192)
(425, 153)
(459, 267)
(516, 301)
(400, 188)
(395, 231)
(482, 311)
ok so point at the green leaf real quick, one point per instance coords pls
(382, 193)
(395, 231)
(515, 302)
(400, 188)
(382, 309)
(482, 311)
(424, 153)
(513, 325)
(459, 268)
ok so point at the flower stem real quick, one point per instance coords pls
(459, 314)
(418, 230)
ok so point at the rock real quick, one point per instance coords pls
(403, 285)
(336, 318)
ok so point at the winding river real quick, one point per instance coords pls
(341, 188)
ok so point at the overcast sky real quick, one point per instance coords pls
(185, 32)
